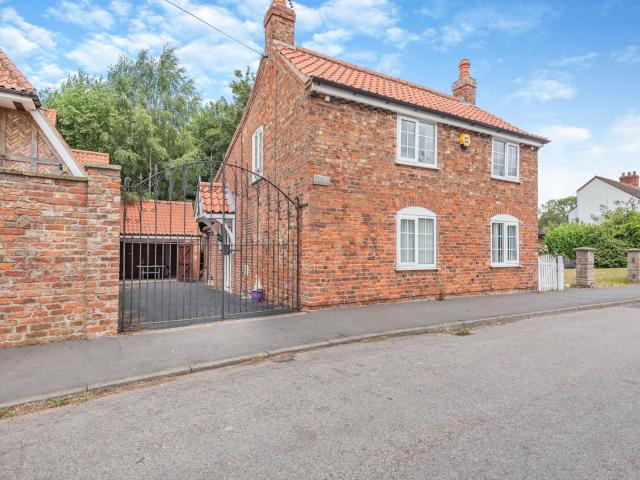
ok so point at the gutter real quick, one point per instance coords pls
(318, 83)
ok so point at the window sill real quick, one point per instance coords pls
(505, 265)
(505, 179)
(412, 268)
(419, 165)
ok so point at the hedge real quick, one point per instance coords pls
(618, 231)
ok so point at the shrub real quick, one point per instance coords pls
(619, 230)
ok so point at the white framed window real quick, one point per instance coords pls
(505, 161)
(257, 153)
(505, 241)
(415, 239)
(417, 142)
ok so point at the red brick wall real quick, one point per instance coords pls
(58, 256)
(351, 253)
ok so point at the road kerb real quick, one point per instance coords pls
(232, 361)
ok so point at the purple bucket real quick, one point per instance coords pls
(256, 296)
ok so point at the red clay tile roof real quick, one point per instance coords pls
(318, 66)
(11, 78)
(159, 218)
(211, 198)
(85, 156)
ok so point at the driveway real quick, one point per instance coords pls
(553, 397)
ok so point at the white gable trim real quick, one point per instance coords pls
(56, 142)
(419, 114)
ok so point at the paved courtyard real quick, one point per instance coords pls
(550, 398)
(169, 303)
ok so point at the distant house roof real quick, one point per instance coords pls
(12, 79)
(317, 66)
(211, 201)
(159, 217)
(630, 189)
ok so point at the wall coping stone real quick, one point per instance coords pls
(584, 249)
(55, 176)
(632, 250)
(103, 166)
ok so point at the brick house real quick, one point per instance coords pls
(411, 192)
(59, 211)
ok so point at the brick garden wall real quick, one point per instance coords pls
(59, 241)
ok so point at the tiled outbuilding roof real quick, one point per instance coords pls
(324, 68)
(159, 217)
(211, 199)
(12, 79)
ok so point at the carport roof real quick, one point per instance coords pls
(158, 217)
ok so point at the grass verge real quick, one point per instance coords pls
(605, 277)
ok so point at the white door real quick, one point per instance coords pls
(228, 237)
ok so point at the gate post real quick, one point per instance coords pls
(633, 265)
(585, 275)
(560, 272)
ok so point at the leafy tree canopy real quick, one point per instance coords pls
(556, 212)
(147, 113)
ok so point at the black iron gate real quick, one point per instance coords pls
(195, 250)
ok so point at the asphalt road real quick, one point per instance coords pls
(550, 398)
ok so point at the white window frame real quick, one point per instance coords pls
(506, 175)
(255, 158)
(414, 214)
(414, 161)
(506, 221)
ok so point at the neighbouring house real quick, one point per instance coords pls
(600, 194)
(59, 216)
(409, 192)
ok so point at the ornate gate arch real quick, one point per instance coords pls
(204, 241)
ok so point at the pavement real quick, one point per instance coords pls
(551, 398)
(44, 371)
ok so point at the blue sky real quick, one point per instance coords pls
(569, 70)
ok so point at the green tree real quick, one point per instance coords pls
(216, 123)
(556, 212)
(157, 102)
(86, 111)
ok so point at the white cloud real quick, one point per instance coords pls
(565, 134)
(330, 42)
(543, 88)
(575, 155)
(511, 18)
(630, 55)
(369, 17)
(578, 61)
(19, 37)
(120, 7)
(83, 13)
(390, 63)
(102, 50)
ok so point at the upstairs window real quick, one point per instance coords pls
(506, 160)
(504, 241)
(416, 142)
(257, 153)
(416, 239)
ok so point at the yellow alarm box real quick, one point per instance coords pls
(465, 140)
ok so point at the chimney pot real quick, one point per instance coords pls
(630, 179)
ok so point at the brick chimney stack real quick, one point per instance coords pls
(464, 88)
(279, 24)
(630, 179)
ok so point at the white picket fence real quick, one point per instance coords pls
(550, 273)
